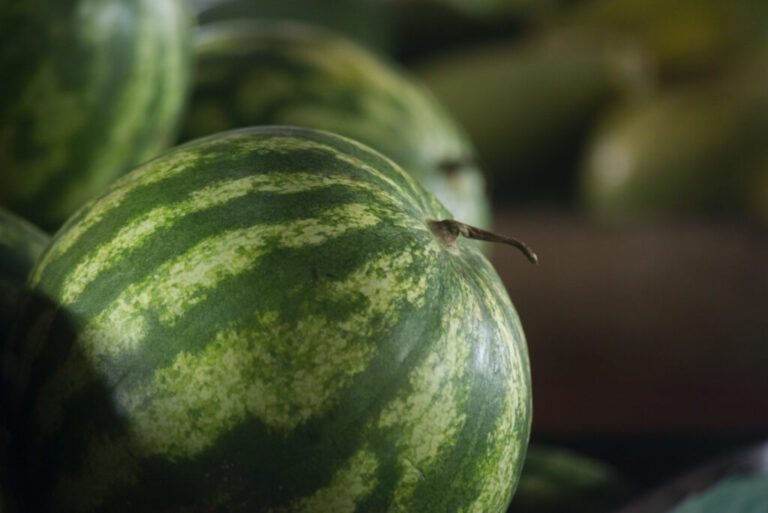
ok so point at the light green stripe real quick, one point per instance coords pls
(168, 167)
(503, 458)
(118, 144)
(283, 374)
(174, 25)
(409, 195)
(181, 283)
(356, 480)
(136, 231)
(178, 162)
(428, 416)
(280, 373)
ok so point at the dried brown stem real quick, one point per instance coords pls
(450, 229)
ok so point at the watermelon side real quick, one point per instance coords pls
(251, 73)
(21, 244)
(366, 22)
(263, 321)
(96, 87)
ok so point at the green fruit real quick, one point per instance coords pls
(526, 106)
(555, 480)
(483, 9)
(362, 21)
(692, 150)
(20, 246)
(266, 320)
(289, 74)
(684, 37)
(90, 88)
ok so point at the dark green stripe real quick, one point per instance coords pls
(217, 163)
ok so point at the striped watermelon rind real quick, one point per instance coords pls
(270, 73)
(263, 321)
(97, 87)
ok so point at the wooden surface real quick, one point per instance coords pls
(649, 328)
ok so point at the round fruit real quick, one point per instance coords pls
(685, 38)
(272, 319)
(20, 246)
(90, 88)
(253, 73)
(537, 100)
(692, 150)
(365, 22)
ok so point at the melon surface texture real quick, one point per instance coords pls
(264, 321)
(251, 73)
(21, 244)
(90, 88)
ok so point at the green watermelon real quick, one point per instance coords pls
(20, 246)
(270, 320)
(685, 38)
(90, 88)
(556, 480)
(537, 100)
(485, 9)
(251, 73)
(365, 22)
(693, 150)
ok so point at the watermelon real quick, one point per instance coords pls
(556, 480)
(687, 39)
(540, 96)
(364, 22)
(251, 73)
(488, 10)
(21, 244)
(273, 319)
(90, 88)
(693, 150)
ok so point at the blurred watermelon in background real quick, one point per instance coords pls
(696, 148)
(364, 21)
(89, 90)
(687, 38)
(532, 103)
(288, 73)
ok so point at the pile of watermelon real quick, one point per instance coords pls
(278, 314)
(244, 243)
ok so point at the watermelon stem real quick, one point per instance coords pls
(448, 230)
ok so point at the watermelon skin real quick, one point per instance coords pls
(365, 22)
(263, 321)
(21, 244)
(251, 73)
(97, 87)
